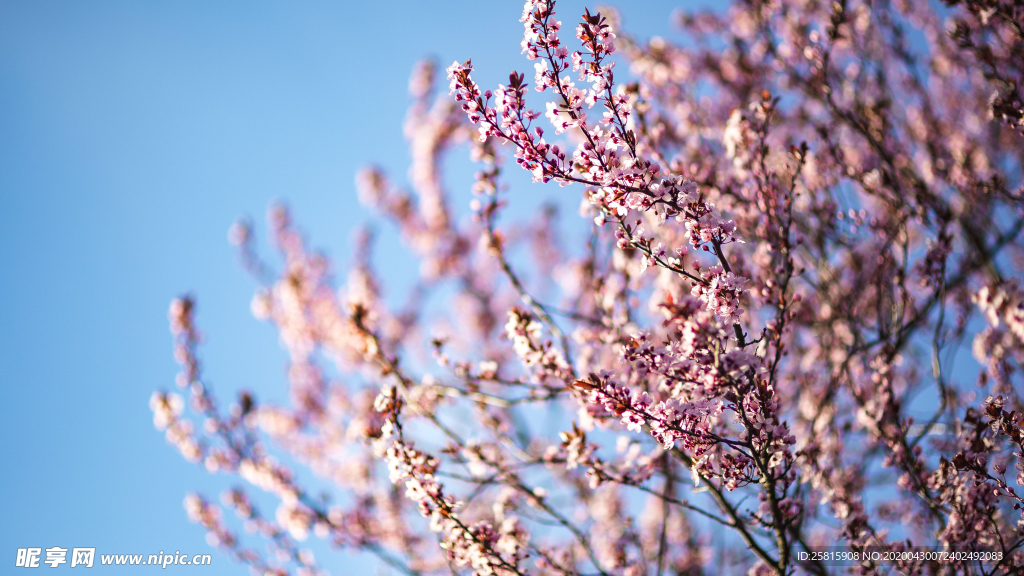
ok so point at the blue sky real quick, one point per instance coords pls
(131, 136)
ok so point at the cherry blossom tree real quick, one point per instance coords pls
(795, 321)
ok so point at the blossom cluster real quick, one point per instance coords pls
(747, 347)
(485, 549)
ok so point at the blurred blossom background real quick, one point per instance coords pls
(131, 136)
